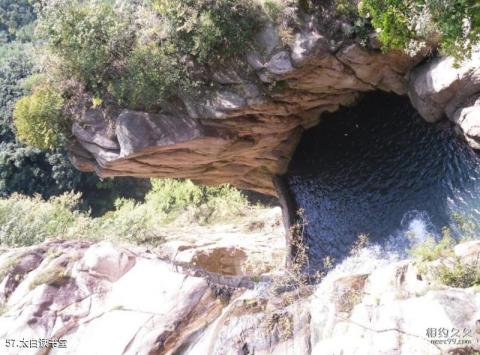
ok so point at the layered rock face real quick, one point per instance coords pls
(442, 88)
(245, 127)
(106, 299)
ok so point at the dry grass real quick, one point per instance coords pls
(54, 276)
(295, 281)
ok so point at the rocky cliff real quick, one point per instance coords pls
(104, 299)
(245, 127)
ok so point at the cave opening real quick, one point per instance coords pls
(379, 169)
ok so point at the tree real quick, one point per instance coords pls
(406, 24)
(39, 120)
(14, 16)
(28, 170)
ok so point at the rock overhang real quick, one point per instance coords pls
(244, 129)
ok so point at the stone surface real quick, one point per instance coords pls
(392, 310)
(469, 251)
(467, 117)
(243, 247)
(105, 261)
(152, 306)
(442, 88)
(244, 128)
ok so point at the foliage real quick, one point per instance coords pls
(392, 17)
(14, 67)
(295, 281)
(139, 53)
(39, 119)
(28, 221)
(88, 36)
(28, 170)
(15, 15)
(171, 196)
(9, 265)
(53, 276)
(150, 75)
(209, 29)
(431, 250)
(274, 9)
(456, 273)
(25, 169)
(347, 7)
(438, 261)
(405, 24)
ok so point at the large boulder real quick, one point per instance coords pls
(444, 88)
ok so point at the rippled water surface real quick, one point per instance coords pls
(379, 169)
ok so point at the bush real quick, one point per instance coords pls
(431, 250)
(392, 18)
(171, 197)
(150, 75)
(15, 15)
(459, 274)
(437, 260)
(15, 66)
(405, 24)
(28, 221)
(140, 53)
(39, 120)
(209, 29)
(88, 36)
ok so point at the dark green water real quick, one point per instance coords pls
(379, 169)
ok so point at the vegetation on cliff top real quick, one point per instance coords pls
(138, 54)
(406, 24)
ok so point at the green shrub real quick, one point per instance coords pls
(52, 276)
(405, 24)
(438, 261)
(15, 15)
(459, 274)
(139, 52)
(28, 221)
(209, 29)
(431, 250)
(88, 35)
(151, 74)
(14, 67)
(172, 196)
(346, 7)
(39, 120)
(392, 17)
(274, 9)
(458, 22)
